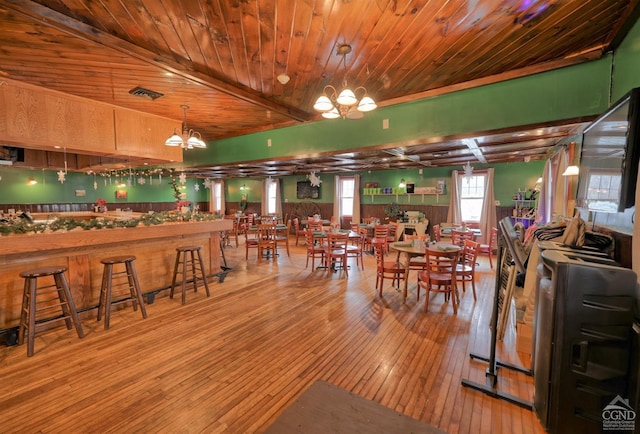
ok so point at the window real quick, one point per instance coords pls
(472, 196)
(603, 190)
(216, 196)
(272, 196)
(347, 193)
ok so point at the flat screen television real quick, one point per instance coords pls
(609, 158)
(305, 190)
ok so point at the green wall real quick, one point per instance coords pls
(509, 177)
(580, 90)
(14, 188)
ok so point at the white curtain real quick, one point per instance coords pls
(278, 199)
(356, 201)
(545, 205)
(488, 219)
(454, 215)
(337, 195)
(264, 208)
(560, 184)
(213, 193)
(554, 191)
(264, 204)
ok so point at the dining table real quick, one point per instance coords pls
(417, 249)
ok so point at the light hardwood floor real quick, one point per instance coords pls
(234, 362)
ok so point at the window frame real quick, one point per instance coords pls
(462, 178)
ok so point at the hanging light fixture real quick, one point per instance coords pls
(345, 104)
(571, 171)
(189, 139)
(402, 184)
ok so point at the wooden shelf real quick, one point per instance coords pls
(397, 195)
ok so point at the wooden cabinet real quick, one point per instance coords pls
(144, 135)
(42, 119)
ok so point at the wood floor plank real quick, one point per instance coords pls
(233, 362)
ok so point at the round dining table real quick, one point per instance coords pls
(412, 251)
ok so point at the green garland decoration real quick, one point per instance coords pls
(60, 224)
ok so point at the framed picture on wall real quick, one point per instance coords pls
(121, 194)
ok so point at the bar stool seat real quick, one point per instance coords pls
(43, 304)
(191, 268)
(126, 286)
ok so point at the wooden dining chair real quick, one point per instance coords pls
(381, 235)
(336, 252)
(250, 240)
(417, 263)
(466, 268)
(487, 249)
(233, 233)
(393, 230)
(386, 269)
(436, 233)
(440, 276)
(355, 227)
(267, 246)
(458, 237)
(356, 250)
(315, 226)
(314, 250)
(298, 230)
(282, 236)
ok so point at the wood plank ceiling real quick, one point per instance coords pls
(222, 59)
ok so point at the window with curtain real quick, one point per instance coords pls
(347, 196)
(272, 197)
(216, 196)
(472, 196)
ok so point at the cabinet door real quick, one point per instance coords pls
(144, 135)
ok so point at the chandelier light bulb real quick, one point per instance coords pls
(331, 114)
(323, 103)
(174, 140)
(347, 97)
(367, 104)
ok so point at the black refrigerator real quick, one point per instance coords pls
(584, 341)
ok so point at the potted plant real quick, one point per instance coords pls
(393, 211)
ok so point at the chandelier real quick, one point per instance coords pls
(189, 139)
(346, 104)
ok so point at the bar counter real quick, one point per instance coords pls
(81, 251)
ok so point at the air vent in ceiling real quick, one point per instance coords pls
(145, 93)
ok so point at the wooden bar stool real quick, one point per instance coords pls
(43, 304)
(192, 269)
(125, 283)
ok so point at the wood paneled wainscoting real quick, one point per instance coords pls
(54, 208)
(233, 362)
(81, 251)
